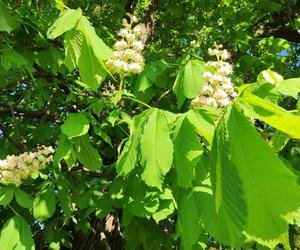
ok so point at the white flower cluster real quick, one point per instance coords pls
(17, 168)
(218, 91)
(127, 57)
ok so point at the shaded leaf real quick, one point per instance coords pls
(187, 151)
(23, 199)
(87, 154)
(6, 195)
(8, 22)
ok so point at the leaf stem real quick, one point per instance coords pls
(138, 101)
(16, 213)
(61, 4)
(121, 84)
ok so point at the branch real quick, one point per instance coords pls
(18, 144)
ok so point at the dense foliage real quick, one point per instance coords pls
(125, 125)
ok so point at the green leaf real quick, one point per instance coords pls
(67, 21)
(192, 79)
(103, 135)
(100, 49)
(289, 87)
(87, 155)
(10, 58)
(63, 151)
(16, 234)
(270, 113)
(141, 202)
(127, 161)
(253, 189)
(189, 80)
(156, 149)
(6, 195)
(150, 74)
(8, 22)
(63, 196)
(187, 151)
(75, 125)
(23, 199)
(203, 123)
(44, 204)
(278, 140)
(94, 74)
(166, 207)
(72, 43)
(188, 225)
(178, 88)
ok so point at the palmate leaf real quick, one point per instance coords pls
(149, 74)
(44, 204)
(289, 87)
(131, 152)
(100, 49)
(75, 125)
(188, 225)
(72, 43)
(203, 124)
(67, 21)
(270, 113)
(91, 70)
(8, 22)
(253, 189)
(187, 151)
(6, 195)
(188, 81)
(156, 149)
(87, 155)
(16, 234)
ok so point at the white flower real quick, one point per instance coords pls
(16, 168)
(207, 89)
(220, 94)
(228, 87)
(119, 45)
(134, 19)
(135, 67)
(137, 58)
(224, 102)
(129, 52)
(225, 55)
(217, 77)
(137, 29)
(130, 37)
(218, 91)
(207, 76)
(226, 69)
(214, 64)
(116, 53)
(123, 32)
(138, 45)
(210, 101)
(125, 23)
(127, 56)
